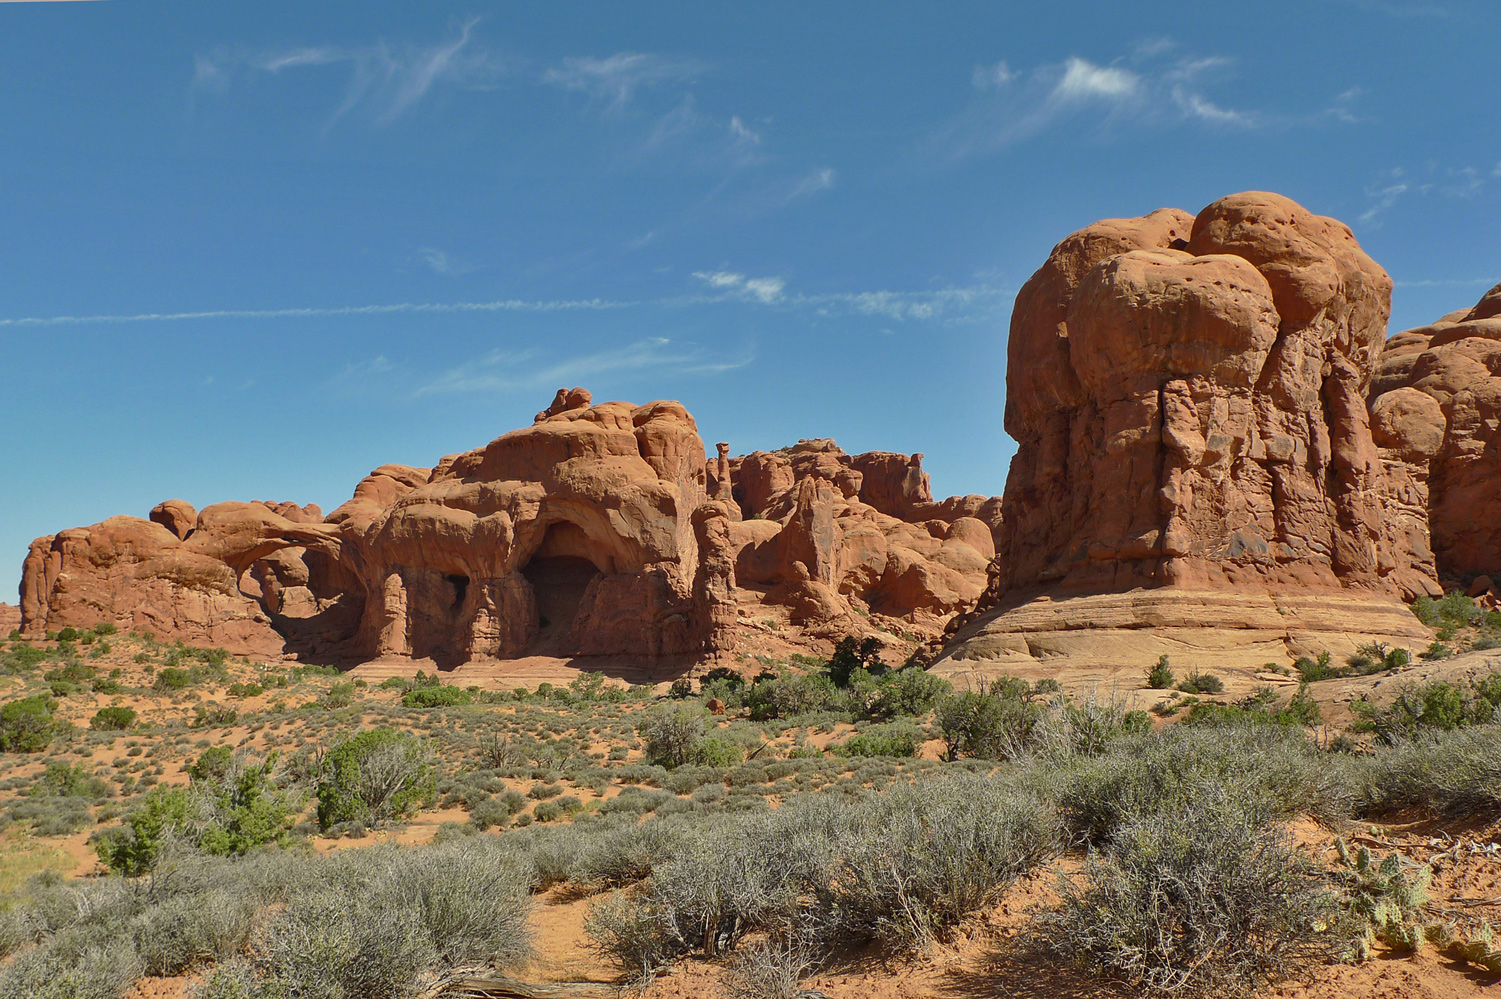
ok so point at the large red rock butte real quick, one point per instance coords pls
(1195, 451)
(599, 530)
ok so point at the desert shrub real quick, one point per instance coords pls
(1424, 707)
(212, 714)
(681, 688)
(1087, 724)
(65, 969)
(1313, 670)
(436, 697)
(1451, 773)
(1206, 899)
(489, 812)
(1201, 683)
(1160, 677)
(187, 929)
(1261, 708)
(1376, 657)
(1273, 769)
(996, 722)
(901, 740)
(390, 923)
(374, 776)
(791, 695)
(172, 678)
(27, 725)
(116, 718)
(909, 691)
(851, 654)
(162, 815)
(773, 968)
(896, 867)
(1453, 609)
(672, 734)
(64, 781)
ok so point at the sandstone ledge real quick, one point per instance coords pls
(1194, 628)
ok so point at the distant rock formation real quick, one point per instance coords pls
(1189, 397)
(599, 530)
(830, 534)
(1436, 408)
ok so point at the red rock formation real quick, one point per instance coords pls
(1188, 394)
(596, 530)
(1436, 409)
(830, 533)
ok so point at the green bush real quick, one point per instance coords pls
(172, 678)
(64, 781)
(436, 697)
(791, 695)
(116, 718)
(1313, 670)
(672, 734)
(1160, 677)
(996, 722)
(887, 740)
(27, 725)
(374, 776)
(1201, 683)
(1429, 706)
(851, 654)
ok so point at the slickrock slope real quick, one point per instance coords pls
(1436, 407)
(600, 530)
(1197, 469)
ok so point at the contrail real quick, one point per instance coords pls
(510, 305)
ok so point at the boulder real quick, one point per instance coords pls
(177, 516)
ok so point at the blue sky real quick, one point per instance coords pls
(252, 251)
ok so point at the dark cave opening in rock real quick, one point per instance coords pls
(460, 586)
(558, 582)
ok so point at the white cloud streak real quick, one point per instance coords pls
(509, 370)
(1009, 105)
(387, 80)
(615, 80)
(416, 308)
(721, 287)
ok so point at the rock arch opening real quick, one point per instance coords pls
(560, 573)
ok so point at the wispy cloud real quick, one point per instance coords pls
(818, 180)
(442, 262)
(1149, 86)
(713, 288)
(1395, 184)
(383, 79)
(731, 285)
(615, 80)
(510, 305)
(507, 370)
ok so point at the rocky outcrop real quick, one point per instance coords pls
(598, 530)
(831, 535)
(1189, 398)
(1436, 410)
